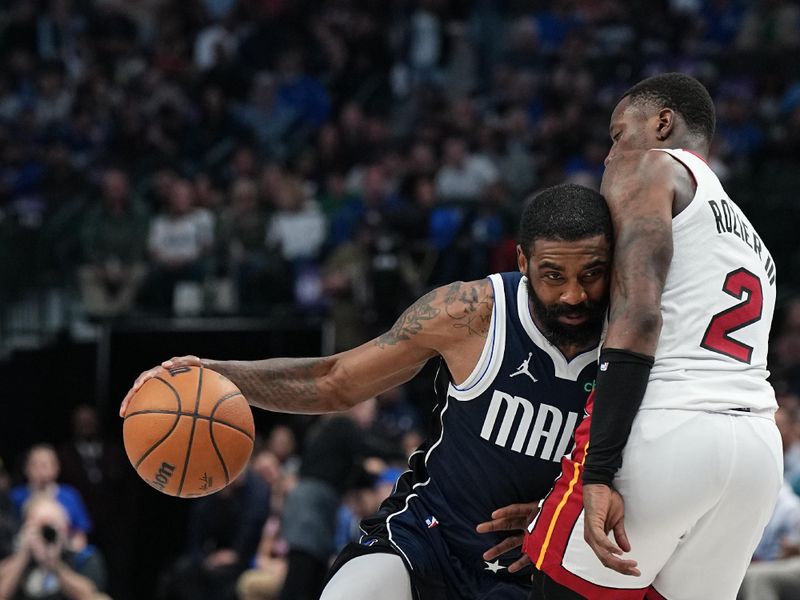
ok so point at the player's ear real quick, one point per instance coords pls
(666, 123)
(522, 261)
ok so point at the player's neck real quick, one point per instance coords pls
(685, 143)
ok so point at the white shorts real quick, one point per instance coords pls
(699, 489)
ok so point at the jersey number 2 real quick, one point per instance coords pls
(717, 337)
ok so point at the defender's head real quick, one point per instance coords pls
(564, 250)
(671, 110)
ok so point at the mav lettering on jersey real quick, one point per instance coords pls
(549, 426)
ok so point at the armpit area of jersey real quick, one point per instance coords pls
(621, 383)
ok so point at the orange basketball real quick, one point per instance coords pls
(188, 433)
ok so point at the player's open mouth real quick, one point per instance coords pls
(572, 319)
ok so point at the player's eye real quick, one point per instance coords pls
(553, 276)
(616, 136)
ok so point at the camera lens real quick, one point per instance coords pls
(49, 534)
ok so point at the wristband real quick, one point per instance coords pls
(621, 383)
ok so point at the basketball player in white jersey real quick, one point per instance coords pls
(684, 459)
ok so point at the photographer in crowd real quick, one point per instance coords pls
(44, 565)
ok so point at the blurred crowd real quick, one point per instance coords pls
(265, 156)
(68, 514)
(336, 157)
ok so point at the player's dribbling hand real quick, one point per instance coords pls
(514, 517)
(172, 363)
(604, 511)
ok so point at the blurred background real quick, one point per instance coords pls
(256, 178)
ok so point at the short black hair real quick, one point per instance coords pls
(681, 93)
(567, 212)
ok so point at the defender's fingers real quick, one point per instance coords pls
(621, 536)
(608, 553)
(515, 541)
(598, 539)
(514, 510)
(510, 524)
(519, 564)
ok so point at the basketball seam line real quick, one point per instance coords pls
(191, 433)
(216, 448)
(211, 422)
(201, 417)
(171, 429)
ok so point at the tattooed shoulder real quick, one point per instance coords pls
(469, 306)
(411, 322)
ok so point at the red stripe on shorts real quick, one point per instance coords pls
(547, 543)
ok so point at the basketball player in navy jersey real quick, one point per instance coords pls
(518, 357)
(680, 458)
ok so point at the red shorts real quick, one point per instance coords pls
(559, 513)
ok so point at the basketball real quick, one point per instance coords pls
(188, 433)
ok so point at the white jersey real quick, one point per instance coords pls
(717, 307)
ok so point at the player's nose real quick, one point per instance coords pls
(574, 294)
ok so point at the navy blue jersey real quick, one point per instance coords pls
(499, 439)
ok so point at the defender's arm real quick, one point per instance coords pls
(639, 188)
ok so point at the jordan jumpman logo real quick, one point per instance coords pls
(523, 368)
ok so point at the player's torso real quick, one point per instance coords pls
(503, 431)
(717, 306)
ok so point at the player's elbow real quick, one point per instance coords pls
(336, 388)
(644, 322)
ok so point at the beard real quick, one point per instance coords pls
(560, 334)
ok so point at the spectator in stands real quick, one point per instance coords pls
(97, 467)
(786, 347)
(770, 25)
(301, 91)
(179, 243)
(463, 176)
(297, 226)
(42, 470)
(46, 563)
(256, 270)
(223, 536)
(775, 572)
(268, 119)
(396, 415)
(8, 521)
(334, 447)
(282, 443)
(113, 239)
(263, 581)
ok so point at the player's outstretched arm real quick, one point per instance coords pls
(433, 325)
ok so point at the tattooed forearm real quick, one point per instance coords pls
(410, 322)
(281, 384)
(641, 263)
(469, 305)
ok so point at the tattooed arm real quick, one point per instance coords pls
(443, 321)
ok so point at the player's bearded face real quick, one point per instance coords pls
(566, 334)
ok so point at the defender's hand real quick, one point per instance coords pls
(604, 511)
(172, 363)
(514, 517)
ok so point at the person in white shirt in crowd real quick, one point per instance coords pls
(463, 176)
(179, 242)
